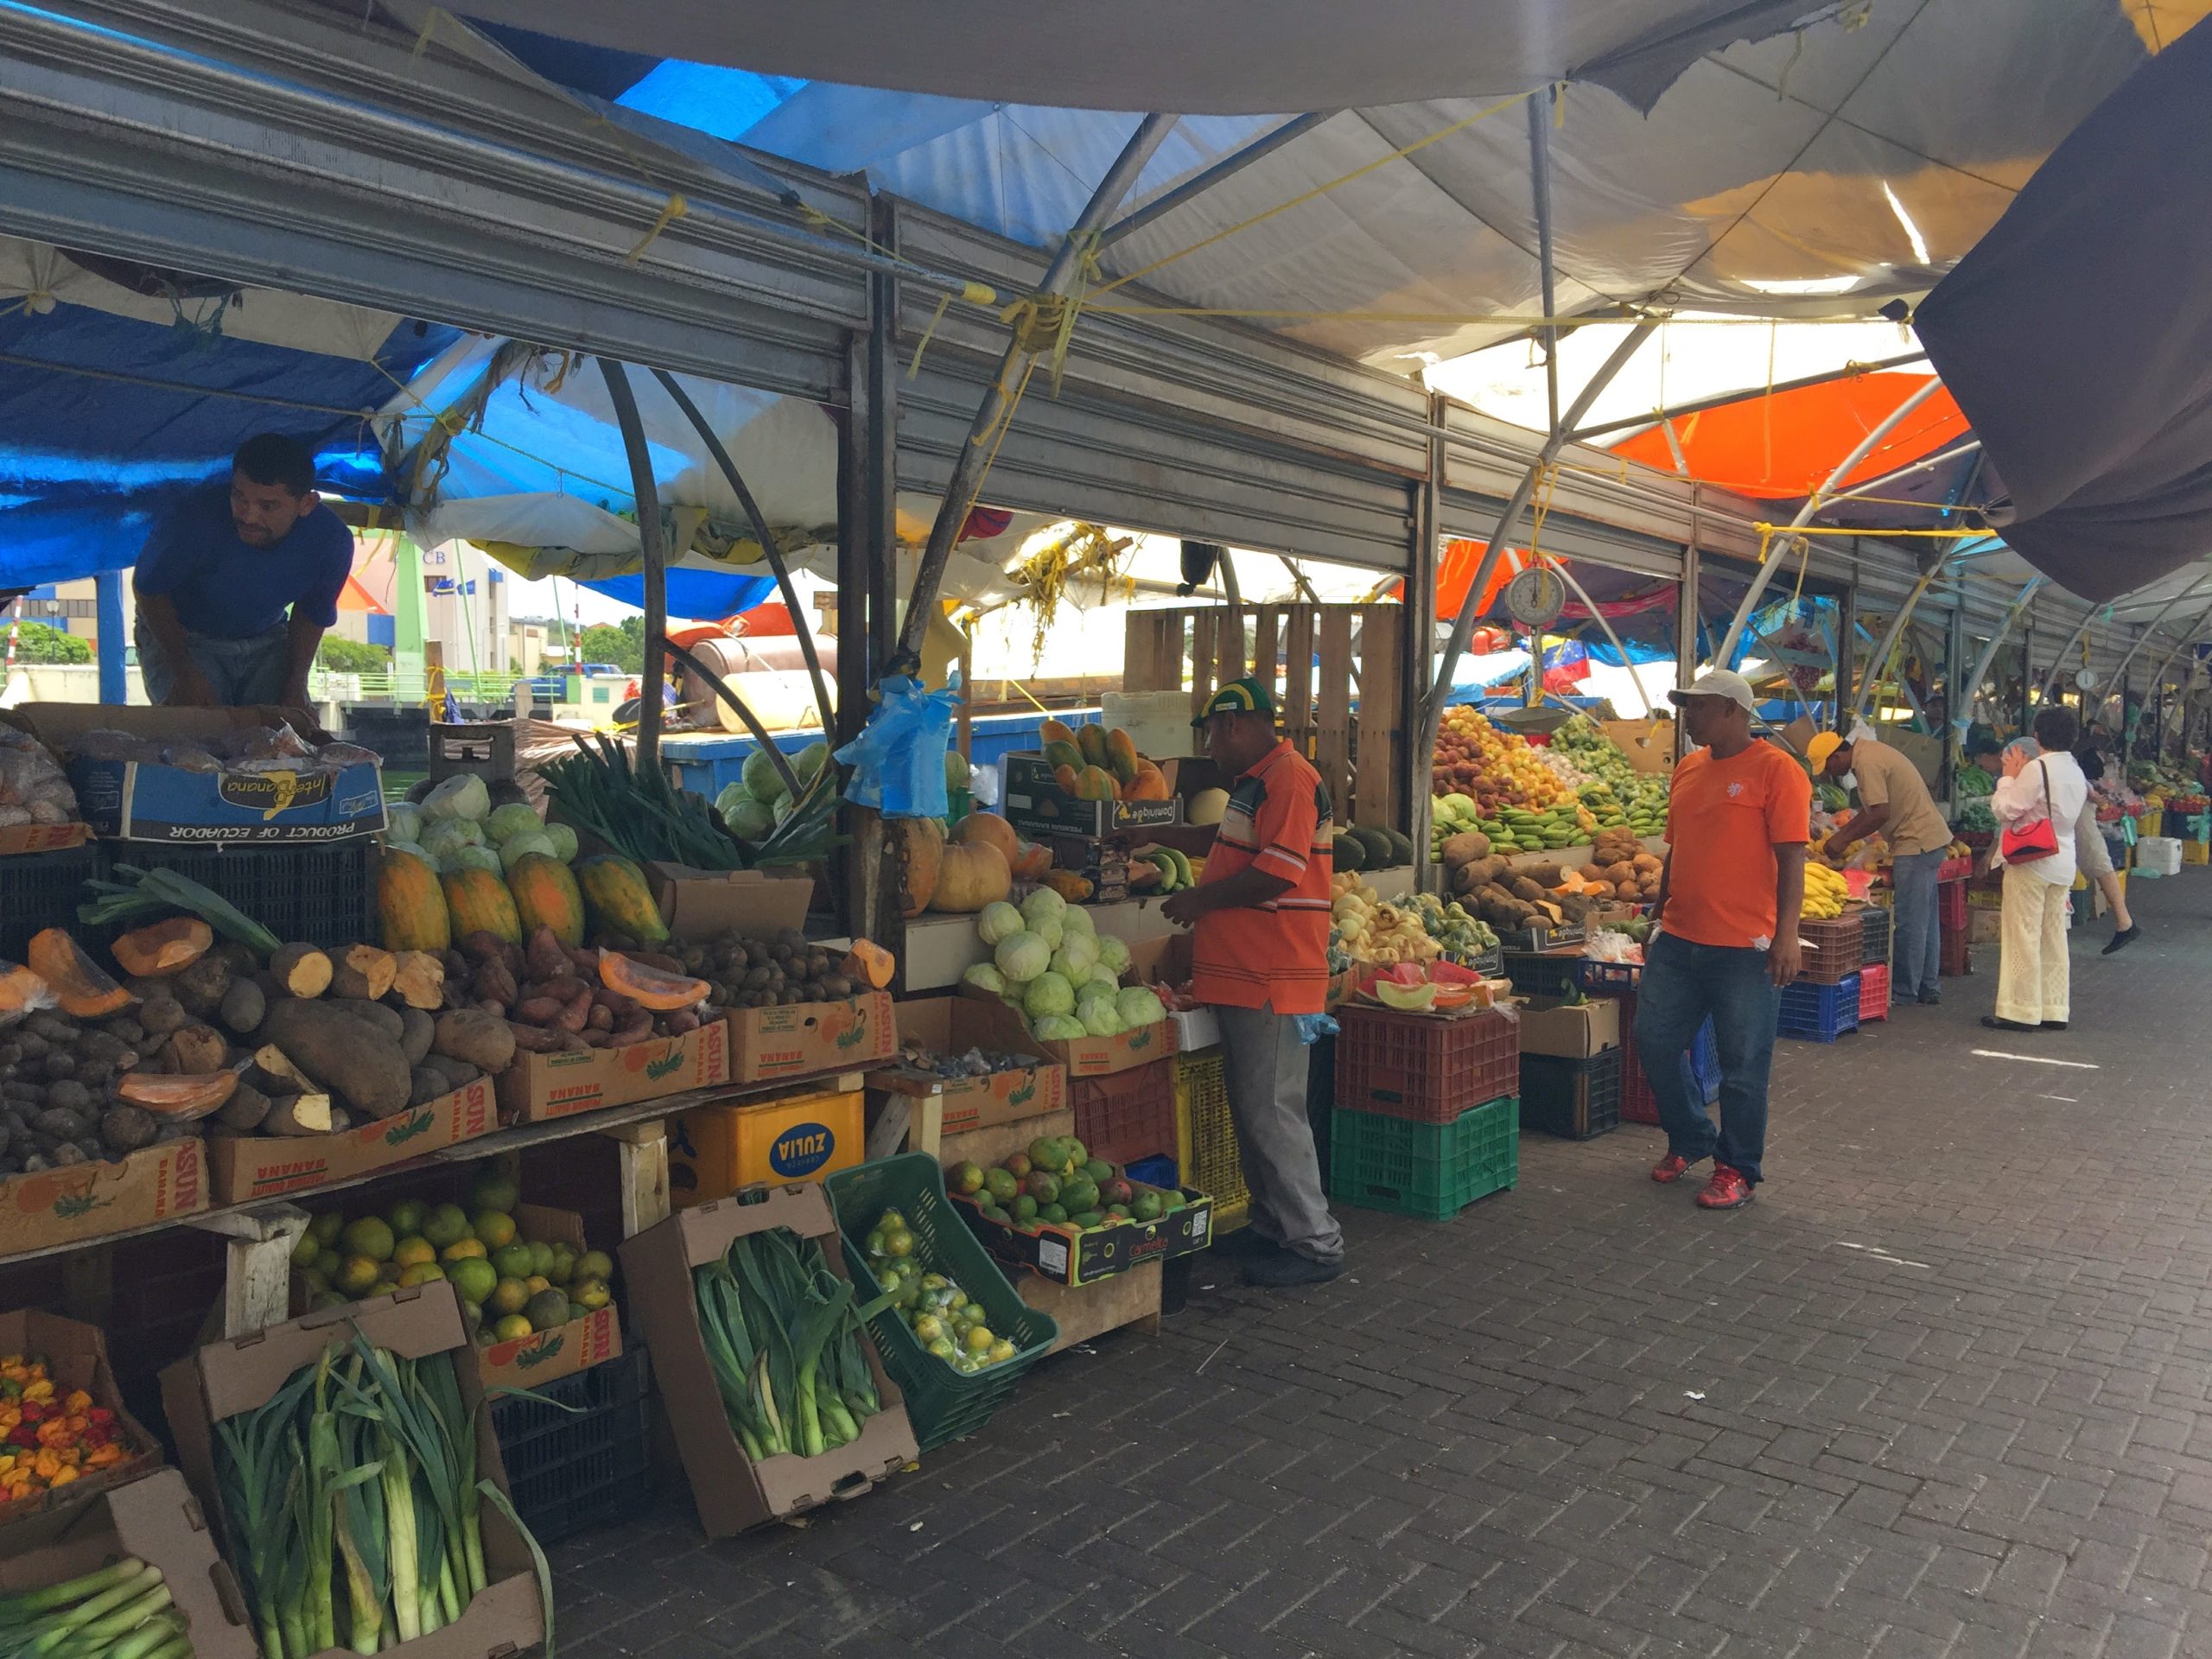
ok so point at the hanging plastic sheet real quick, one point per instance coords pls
(897, 760)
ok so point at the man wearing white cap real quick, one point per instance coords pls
(1725, 938)
(1894, 802)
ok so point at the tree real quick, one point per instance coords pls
(346, 656)
(35, 642)
(623, 645)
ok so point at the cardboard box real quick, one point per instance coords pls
(699, 904)
(1083, 1057)
(1574, 1031)
(1648, 744)
(538, 1088)
(951, 1025)
(248, 1166)
(76, 1357)
(1985, 927)
(718, 1150)
(81, 1201)
(546, 1355)
(797, 1039)
(1068, 1255)
(1101, 860)
(138, 801)
(731, 1490)
(226, 1378)
(43, 837)
(155, 1520)
(1035, 804)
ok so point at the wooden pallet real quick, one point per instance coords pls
(1320, 660)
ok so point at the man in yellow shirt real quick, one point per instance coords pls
(1894, 802)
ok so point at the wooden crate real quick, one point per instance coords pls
(1323, 662)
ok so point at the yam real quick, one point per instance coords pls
(300, 1114)
(244, 1111)
(417, 1031)
(428, 1086)
(196, 1049)
(385, 1021)
(245, 1006)
(362, 972)
(483, 1042)
(419, 980)
(1526, 888)
(344, 1053)
(1465, 848)
(160, 1015)
(1545, 873)
(1467, 879)
(202, 987)
(301, 969)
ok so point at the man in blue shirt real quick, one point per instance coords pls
(238, 582)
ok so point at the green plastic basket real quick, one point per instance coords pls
(941, 1403)
(1431, 1170)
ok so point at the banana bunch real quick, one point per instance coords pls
(1825, 893)
(1176, 872)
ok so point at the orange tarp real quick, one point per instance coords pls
(1783, 448)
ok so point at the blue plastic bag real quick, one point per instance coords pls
(1313, 1027)
(897, 760)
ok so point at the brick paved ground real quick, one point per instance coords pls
(1940, 1391)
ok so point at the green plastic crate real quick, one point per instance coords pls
(941, 1404)
(1431, 1170)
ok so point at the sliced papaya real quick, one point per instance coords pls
(161, 949)
(21, 992)
(81, 986)
(647, 986)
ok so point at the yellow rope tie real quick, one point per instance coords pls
(1767, 530)
(943, 304)
(1629, 314)
(430, 27)
(671, 210)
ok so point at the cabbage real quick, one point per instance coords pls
(1101, 974)
(412, 849)
(1100, 1017)
(403, 821)
(535, 841)
(1041, 904)
(1021, 957)
(1049, 930)
(1115, 954)
(1047, 994)
(957, 773)
(743, 816)
(1140, 1006)
(1077, 920)
(1076, 957)
(1057, 1028)
(564, 841)
(448, 836)
(464, 797)
(807, 764)
(470, 858)
(988, 977)
(515, 818)
(1000, 920)
(762, 781)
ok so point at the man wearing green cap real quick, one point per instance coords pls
(1894, 801)
(1260, 958)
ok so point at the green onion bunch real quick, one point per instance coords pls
(148, 895)
(352, 1504)
(122, 1611)
(783, 1333)
(643, 814)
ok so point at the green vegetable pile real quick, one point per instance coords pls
(121, 1611)
(1463, 936)
(644, 816)
(942, 1317)
(1619, 796)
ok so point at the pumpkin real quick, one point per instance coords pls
(411, 912)
(1148, 784)
(988, 830)
(869, 963)
(920, 842)
(80, 985)
(546, 895)
(617, 900)
(969, 877)
(1032, 861)
(1121, 757)
(478, 902)
(161, 949)
(647, 986)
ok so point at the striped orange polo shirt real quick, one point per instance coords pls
(1274, 955)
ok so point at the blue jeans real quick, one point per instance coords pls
(1682, 983)
(1917, 961)
(246, 673)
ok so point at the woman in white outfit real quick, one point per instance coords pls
(2041, 780)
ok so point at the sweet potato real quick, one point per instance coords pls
(495, 984)
(346, 1054)
(545, 958)
(1465, 848)
(245, 1006)
(536, 1039)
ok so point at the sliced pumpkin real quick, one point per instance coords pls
(181, 1098)
(163, 948)
(649, 987)
(869, 963)
(81, 986)
(21, 992)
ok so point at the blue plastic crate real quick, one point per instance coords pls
(1152, 1171)
(1822, 1013)
(1705, 1062)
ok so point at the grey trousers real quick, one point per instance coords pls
(246, 673)
(1916, 953)
(1264, 1067)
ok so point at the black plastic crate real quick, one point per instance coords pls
(41, 890)
(1540, 972)
(1578, 1099)
(310, 893)
(588, 1466)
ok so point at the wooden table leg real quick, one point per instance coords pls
(257, 1264)
(642, 1150)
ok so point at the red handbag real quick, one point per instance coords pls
(2024, 843)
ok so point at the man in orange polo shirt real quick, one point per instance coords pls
(1260, 958)
(1725, 934)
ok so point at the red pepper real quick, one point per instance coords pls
(101, 1417)
(23, 1434)
(37, 1411)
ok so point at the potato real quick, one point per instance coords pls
(244, 1007)
(1545, 873)
(344, 1053)
(419, 1030)
(1465, 848)
(483, 1042)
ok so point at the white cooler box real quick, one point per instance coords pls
(2158, 855)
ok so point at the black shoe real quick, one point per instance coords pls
(1286, 1268)
(1245, 1244)
(2122, 940)
(1930, 999)
(2052, 1024)
(1995, 1024)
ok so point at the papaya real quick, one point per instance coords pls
(1034, 859)
(1056, 731)
(1121, 757)
(80, 984)
(411, 912)
(1065, 777)
(161, 949)
(1064, 755)
(477, 901)
(1071, 887)
(182, 1098)
(1091, 740)
(1094, 783)
(647, 986)
(1148, 784)
(546, 895)
(616, 900)
(921, 843)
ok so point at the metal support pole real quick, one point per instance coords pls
(1779, 550)
(1418, 600)
(1957, 712)
(1890, 638)
(1847, 653)
(1160, 206)
(960, 488)
(1661, 417)
(1605, 627)
(1540, 185)
(2151, 628)
(1462, 625)
(2158, 676)
(107, 606)
(2027, 670)
(652, 551)
(1876, 486)
(2005, 626)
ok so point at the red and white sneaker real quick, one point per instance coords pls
(1669, 1169)
(1728, 1190)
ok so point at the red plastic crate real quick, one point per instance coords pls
(1951, 905)
(1873, 992)
(1426, 1068)
(1638, 1103)
(1127, 1116)
(1953, 958)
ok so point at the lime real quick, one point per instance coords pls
(369, 1236)
(474, 1278)
(357, 1276)
(591, 1294)
(594, 1264)
(325, 1227)
(511, 1328)
(508, 1296)
(413, 1251)
(445, 1226)
(421, 1274)
(406, 1217)
(541, 1259)
(494, 1192)
(494, 1227)
(463, 1249)
(979, 1339)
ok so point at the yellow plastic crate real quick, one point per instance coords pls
(2196, 852)
(1205, 1138)
(716, 1150)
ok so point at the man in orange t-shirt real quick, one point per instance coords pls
(1260, 958)
(1724, 935)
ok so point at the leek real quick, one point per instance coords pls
(120, 1612)
(142, 895)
